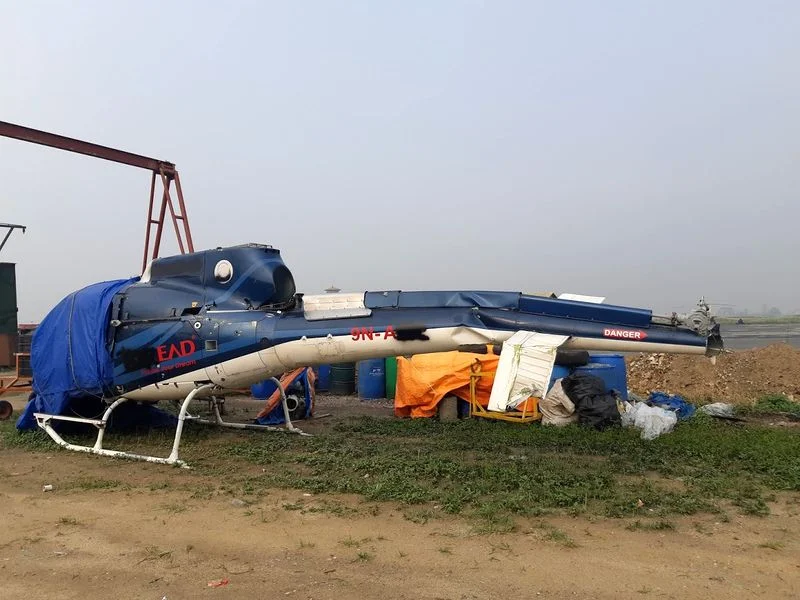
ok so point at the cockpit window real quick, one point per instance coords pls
(284, 285)
(188, 266)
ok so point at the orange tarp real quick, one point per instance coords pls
(423, 380)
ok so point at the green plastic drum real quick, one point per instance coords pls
(343, 379)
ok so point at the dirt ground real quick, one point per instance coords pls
(738, 377)
(165, 532)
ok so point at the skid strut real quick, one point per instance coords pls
(44, 421)
(290, 428)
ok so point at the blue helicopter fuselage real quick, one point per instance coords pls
(232, 316)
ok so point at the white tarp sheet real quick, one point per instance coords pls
(582, 298)
(345, 305)
(524, 369)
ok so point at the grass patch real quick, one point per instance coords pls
(490, 521)
(499, 547)
(650, 526)
(174, 507)
(364, 557)
(36, 440)
(775, 403)
(700, 528)
(435, 469)
(419, 515)
(772, 545)
(559, 537)
(462, 468)
(332, 508)
(71, 521)
(350, 543)
(155, 553)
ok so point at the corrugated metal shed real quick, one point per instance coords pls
(8, 298)
(8, 314)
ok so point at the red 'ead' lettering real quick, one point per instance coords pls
(624, 334)
(168, 352)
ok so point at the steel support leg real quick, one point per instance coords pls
(290, 428)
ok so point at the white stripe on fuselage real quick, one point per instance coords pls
(252, 368)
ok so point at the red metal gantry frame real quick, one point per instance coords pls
(162, 170)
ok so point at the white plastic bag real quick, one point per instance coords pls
(718, 409)
(556, 407)
(652, 420)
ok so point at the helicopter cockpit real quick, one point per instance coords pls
(246, 277)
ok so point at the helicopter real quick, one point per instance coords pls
(206, 323)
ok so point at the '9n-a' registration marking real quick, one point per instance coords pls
(369, 333)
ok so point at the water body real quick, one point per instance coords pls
(745, 337)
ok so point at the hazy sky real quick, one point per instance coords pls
(648, 152)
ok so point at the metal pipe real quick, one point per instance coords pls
(251, 426)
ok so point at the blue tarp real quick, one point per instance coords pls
(676, 404)
(69, 351)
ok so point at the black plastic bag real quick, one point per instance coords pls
(599, 412)
(594, 406)
(583, 385)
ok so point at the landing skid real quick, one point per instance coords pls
(44, 421)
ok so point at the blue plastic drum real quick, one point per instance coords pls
(263, 389)
(608, 373)
(559, 372)
(323, 378)
(617, 361)
(372, 379)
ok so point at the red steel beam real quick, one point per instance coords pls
(61, 142)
